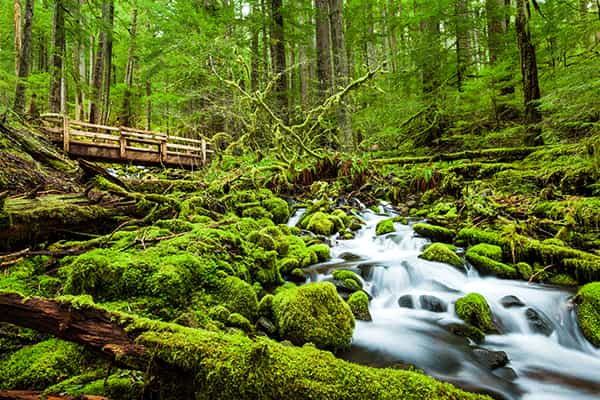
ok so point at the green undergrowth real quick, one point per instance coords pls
(588, 311)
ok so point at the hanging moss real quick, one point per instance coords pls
(443, 253)
(314, 313)
(475, 311)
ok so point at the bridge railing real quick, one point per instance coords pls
(130, 142)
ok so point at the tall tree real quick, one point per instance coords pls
(463, 47)
(529, 69)
(496, 28)
(24, 63)
(17, 22)
(323, 44)
(278, 56)
(341, 72)
(58, 55)
(108, 13)
(127, 117)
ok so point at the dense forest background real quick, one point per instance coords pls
(452, 73)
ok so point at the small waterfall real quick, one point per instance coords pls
(548, 358)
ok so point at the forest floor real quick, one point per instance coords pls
(189, 284)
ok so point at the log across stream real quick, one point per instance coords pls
(539, 354)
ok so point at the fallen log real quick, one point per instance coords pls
(204, 364)
(33, 395)
(497, 155)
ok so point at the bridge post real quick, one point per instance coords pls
(203, 151)
(163, 150)
(66, 130)
(122, 145)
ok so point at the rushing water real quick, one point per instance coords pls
(551, 362)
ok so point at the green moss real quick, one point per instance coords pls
(488, 250)
(278, 208)
(321, 223)
(314, 313)
(475, 311)
(588, 311)
(321, 250)
(583, 270)
(40, 365)
(359, 304)
(525, 270)
(257, 212)
(265, 307)
(125, 385)
(489, 265)
(435, 233)
(239, 321)
(238, 296)
(348, 277)
(384, 227)
(443, 253)
(563, 280)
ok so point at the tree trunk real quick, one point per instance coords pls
(278, 58)
(79, 63)
(496, 24)
(96, 78)
(341, 72)
(24, 59)
(463, 48)
(17, 22)
(148, 105)
(58, 53)
(127, 117)
(255, 61)
(108, 10)
(323, 43)
(529, 70)
(429, 52)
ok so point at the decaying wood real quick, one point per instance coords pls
(88, 326)
(32, 395)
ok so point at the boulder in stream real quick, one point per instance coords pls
(475, 310)
(432, 303)
(406, 301)
(443, 253)
(511, 301)
(491, 359)
(538, 322)
(359, 304)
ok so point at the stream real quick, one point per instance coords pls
(548, 357)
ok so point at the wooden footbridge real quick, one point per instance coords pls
(125, 145)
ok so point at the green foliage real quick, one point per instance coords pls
(314, 313)
(475, 311)
(443, 253)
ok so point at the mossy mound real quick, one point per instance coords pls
(314, 313)
(238, 296)
(442, 253)
(322, 223)
(40, 365)
(435, 233)
(486, 258)
(349, 278)
(359, 305)
(475, 311)
(588, 311)
(321, 250)
(258, 204)
(384, 227)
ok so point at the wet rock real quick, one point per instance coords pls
(347, 256)
(538, 322)
(464, 330)
(511, 301)
(266, 326)
(506, 373)
(432, 303)
(406, 301)
(491, 359)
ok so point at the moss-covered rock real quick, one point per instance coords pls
(238, 296)
(359, 304)
(435, 233)
(348, 277)
(278, 208)
(478, 257)
(322, 223)
(443, 253)
(237, 320)
(314, 313)
(475, 311)
(384, 227)
(321, 250)
(588, 311)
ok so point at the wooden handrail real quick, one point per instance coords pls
(99, 136)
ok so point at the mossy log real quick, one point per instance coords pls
(496, 155)
(32, 395)
(216, 365)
